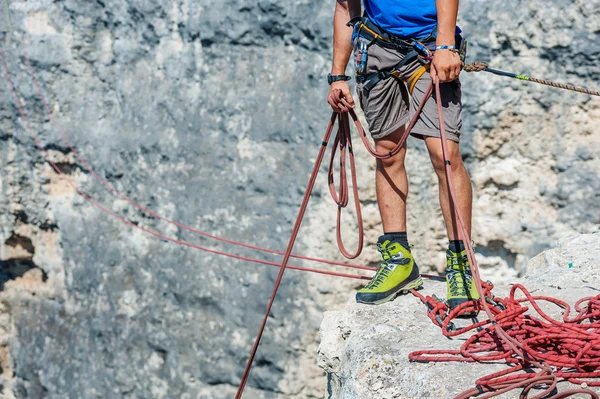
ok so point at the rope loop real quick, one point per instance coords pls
(476, 66)
(343, 141)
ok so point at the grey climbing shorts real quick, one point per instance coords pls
(388, 105)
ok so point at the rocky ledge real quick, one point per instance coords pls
(364, 349)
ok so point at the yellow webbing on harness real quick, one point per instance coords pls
(414, 78)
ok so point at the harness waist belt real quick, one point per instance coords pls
(376, 35)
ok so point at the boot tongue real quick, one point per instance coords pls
(383, 245)
(456, 261)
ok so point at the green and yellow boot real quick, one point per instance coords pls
(398, 273)
(461, 287)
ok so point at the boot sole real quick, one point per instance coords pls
(413, 285)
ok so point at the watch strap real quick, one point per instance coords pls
(336, 78)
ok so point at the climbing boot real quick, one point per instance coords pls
(461, 287)
(398, 273)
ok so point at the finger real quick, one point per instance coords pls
(441, 76)
(453, 72)
(447, 77)
(332, 102)
(334, 99)
(343, 104)
(338, 92)
(335, 94)
(339, 101)
(451, 75)
(349, 100)
(433, 73)
(346, 105)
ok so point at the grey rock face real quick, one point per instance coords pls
(198, 111)
(211, 113)
(364, 349)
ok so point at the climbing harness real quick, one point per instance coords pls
(366, 33)
(569, 350)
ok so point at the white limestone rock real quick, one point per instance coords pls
(364, 349)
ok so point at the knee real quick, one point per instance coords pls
(394, 162)
(439, 163)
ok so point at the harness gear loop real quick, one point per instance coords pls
(411, 82)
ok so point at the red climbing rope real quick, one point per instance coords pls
(156, 215)
(148, 211)
(571, 347)
(147, 230)
(343, 140)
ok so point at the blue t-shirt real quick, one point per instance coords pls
(413, 19)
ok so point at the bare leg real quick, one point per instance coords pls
(392, 184)
(461, 182)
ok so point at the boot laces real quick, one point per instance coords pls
(459, 260)
(384, 270)
(388, 256)
(459, 275)
(386, 252)
(380, 276)
(456, 282)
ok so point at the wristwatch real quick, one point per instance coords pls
(336, 78)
